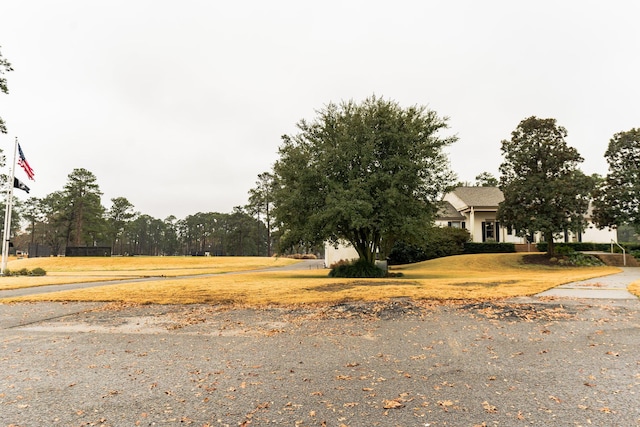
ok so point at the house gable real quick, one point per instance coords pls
(448, 212)
(478, 198)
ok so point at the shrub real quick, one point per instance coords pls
(577, 246)
(564, 250)
(38, 272)
(488, 248)
(25, 272)
(404, 253)
(298, 256)
(357, 268)
(578, 259)
(439, 242)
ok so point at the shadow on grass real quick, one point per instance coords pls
(335, 287)
(485, 284)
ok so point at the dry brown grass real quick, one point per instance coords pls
(634, 288)
(89, 269)
(485, 276)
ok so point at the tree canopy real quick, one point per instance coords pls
(364, 173)
(543, 188)
(486, 179)
(84, 211)
(617, 199)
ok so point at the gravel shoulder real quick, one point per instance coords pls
(396, 363)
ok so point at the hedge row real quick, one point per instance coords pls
(587, 246)
(488, 248)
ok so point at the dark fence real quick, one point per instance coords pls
(37, 250)
(87, 251)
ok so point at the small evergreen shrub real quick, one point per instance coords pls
(26, 272)
(564, 250)
(38, 272)
(356, 269)
(488, 248)
(578, 259)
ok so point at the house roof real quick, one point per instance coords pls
(479, 196)
(447, 211)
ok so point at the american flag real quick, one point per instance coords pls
(22, 161)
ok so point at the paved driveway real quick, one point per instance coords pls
(613, 286)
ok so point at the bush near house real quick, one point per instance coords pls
(577, 246)
(440, 242)
(588, 246)
(488, 248)
(356, 268)
(579, 259)
(633, 249)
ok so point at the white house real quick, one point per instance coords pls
(333, 254)
(475, 209)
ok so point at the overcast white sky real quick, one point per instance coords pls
(179, 105)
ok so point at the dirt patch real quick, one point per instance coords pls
(485, 284)
(526, 312)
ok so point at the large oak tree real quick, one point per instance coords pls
(617, 199)
(544, 191)
(365, 173)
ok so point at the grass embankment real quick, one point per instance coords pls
(62, 270)
(486, 276)
(634, 288)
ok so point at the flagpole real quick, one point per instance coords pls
(7, 214)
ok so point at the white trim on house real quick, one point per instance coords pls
(479, 206)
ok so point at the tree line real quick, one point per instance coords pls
(75, 216)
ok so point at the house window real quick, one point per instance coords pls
(490, 231)
(456, 224)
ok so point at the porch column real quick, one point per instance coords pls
(472, 220)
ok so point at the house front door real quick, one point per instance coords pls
(490, 231)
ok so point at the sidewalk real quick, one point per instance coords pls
(613, 286)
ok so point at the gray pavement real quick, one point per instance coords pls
(613, 286)
(399, 363)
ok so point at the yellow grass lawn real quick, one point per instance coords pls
(91, 269)
(484, 276)
(634, 288)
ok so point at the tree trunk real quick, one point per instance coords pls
(366, 249)
(551, 246)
